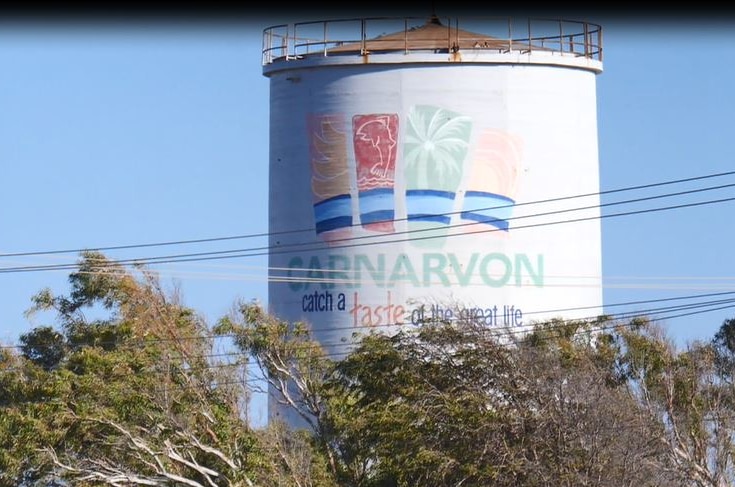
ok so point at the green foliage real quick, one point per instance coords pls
(133, 397)
(43, 346)
(456, 403)
(293, 362)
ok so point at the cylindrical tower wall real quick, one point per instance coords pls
(407, 191)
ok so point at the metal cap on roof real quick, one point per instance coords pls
(433, 35)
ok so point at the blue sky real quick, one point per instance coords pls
(145, 132)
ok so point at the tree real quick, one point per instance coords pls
(294, 366)
(458, 404)
(135, 397)
(690, 392)
(588, 427)
(26, 414)
(129, 389)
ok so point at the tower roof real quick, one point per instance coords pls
(557, 42)
(433, 35)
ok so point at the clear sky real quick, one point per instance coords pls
(127, 133)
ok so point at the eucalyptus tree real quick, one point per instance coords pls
(130, 387)
(456, 403)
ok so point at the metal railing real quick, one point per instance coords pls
(364, 36)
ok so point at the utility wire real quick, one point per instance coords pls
(550, 331)
(202, 256)
(304, 230)
(494, 332)
(618, 315)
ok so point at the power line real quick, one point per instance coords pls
(490, 331)
(619, 315)
(202, 256)
(303, 230)
(550, 331)
(557, 331)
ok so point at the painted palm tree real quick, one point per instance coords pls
(435, 149)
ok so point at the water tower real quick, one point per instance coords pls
(425, 168)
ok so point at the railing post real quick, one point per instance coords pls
(292, 41)
(561, 36)
(405, 35)
(325, 38)
(449, 35)
(510, 34)
(363, 37)
(265, 43)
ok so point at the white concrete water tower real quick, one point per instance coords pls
(425, 168)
